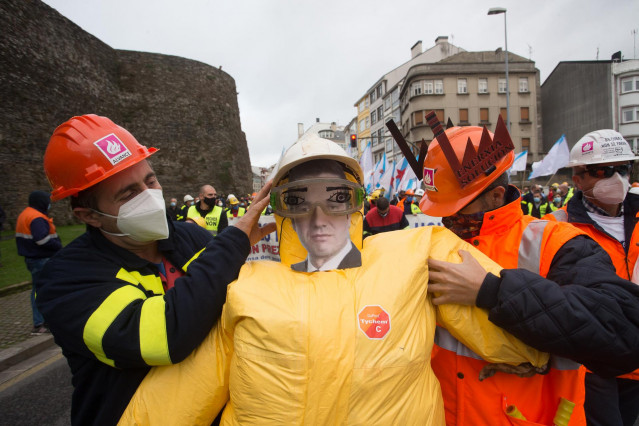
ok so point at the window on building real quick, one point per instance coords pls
(504, 114)
(523, 111)
(439, 87)
(630, 84)
(525, 143)
(368, 122)
(502, 85)
(440, 115)
(367, 101)
(418, 118)
(362, 126)
(463, 115)
(429, 87)
(523, 84)
(483, 115)
(416, 89)
(327, 134)
(362, 106)
(374, 117)
(389, 145)
(373, 96)
(482, 85)
(633, 141)
(387, 102)
(380, 90)
(380, 113)
(462, 86)
(630, 114)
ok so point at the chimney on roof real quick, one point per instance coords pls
(416, 49)
(300, 130)
(317, 120)
(333, 126)
(441, 39)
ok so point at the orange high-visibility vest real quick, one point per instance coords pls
(23, 224)
(624, 264)
(513, 240)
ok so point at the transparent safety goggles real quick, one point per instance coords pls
(333, 195)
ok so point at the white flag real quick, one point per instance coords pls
(519, 165)
(387, 177)
(366, 163)
(557, 157)
(409, 180)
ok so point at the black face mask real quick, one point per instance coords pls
(210, 201)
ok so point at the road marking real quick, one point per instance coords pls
(27, 373)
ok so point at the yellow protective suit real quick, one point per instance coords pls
(347, 346)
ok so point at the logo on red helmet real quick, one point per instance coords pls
(429, 179)
(113, 148)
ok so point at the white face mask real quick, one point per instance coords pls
(611, 190)
(142, 218)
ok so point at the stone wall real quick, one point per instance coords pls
(51, 70)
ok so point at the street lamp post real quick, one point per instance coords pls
(497, 11)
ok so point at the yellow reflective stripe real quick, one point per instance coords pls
(186, 265)
(149, 282)
(154, 344)
(102, 318)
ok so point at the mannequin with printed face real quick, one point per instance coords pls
(323, 234)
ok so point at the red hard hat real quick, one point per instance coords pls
(444, 194)
(86, 150)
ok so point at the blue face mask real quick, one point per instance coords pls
(173, 204)
(557, 199)
(537, 199)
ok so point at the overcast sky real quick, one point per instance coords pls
(295, 60)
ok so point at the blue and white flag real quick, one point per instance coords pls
(519, 165)
(557, 157)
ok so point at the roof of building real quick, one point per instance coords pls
(483, 57)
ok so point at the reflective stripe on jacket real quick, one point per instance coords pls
(39, 246)
(210, 222)
(514, 240)
(348, 346)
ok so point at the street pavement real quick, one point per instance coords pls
(16, 343)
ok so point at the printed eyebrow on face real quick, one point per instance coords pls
(301, 189)
(335, 188)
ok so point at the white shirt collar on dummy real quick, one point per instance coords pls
(333, 263)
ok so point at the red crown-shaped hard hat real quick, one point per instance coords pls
(461, 163)
(86, 150)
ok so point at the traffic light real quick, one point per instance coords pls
(353, 141)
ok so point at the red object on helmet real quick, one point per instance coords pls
(86, 150)
(444, 194)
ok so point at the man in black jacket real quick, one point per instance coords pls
(135, 290)
(559, 293)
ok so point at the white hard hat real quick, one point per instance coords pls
(419, 192)
(230, 196)
(312, 147)
(600, 147)
(187, 197)
(233, 199)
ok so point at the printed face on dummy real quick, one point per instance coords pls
(321, 234)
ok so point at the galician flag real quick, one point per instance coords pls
(519, 165)
(387, 178)
(366, 163)
(557, 157)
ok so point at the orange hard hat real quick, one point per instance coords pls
(409, 192)
(445, 195)
(86, 150)
(635, 185)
